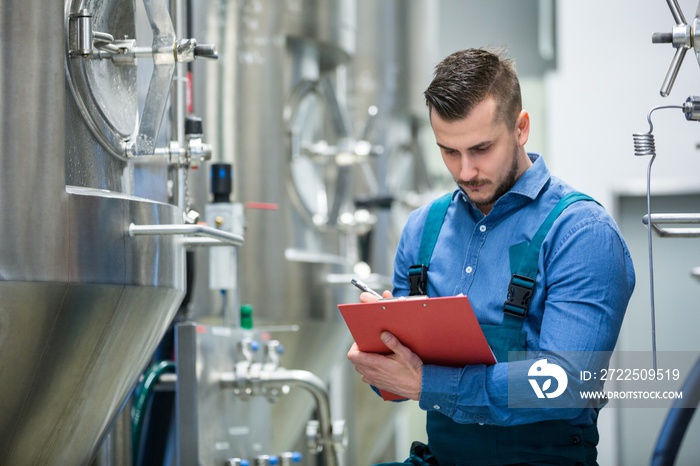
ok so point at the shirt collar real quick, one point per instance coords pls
(531, 182)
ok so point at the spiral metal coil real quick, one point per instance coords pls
(644, 144)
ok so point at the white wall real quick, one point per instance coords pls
(608, 77)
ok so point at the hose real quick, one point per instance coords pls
(677, 420)
(138, 410)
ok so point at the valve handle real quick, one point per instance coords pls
(681, 38)
(676, 12)
(672, 72)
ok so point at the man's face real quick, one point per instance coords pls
(484, 156)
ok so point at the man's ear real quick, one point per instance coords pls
(522, 127)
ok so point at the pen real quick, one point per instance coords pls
(364, 287)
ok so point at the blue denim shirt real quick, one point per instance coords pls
(583, 285)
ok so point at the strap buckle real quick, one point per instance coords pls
(519, 295)
(418, 279)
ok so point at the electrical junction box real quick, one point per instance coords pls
(223, 271)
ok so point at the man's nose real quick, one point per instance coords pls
(467, 170)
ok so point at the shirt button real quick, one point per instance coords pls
(436, 406)
(468, 269)
(480, 420)
(482, 228)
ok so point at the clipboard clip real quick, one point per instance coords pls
(519, 295)
(418, 280)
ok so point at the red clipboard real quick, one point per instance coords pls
(442, 331)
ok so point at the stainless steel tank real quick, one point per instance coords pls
(291, 269)
(268, 47)
(397, 49)
(279, 45)
(82, 303)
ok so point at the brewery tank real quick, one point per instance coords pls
(295, 43)
(82, 303)
(291, 269)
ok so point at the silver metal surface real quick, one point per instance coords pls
(691, 108)
(272, 381)
(319, 173)
(330, 25)
(163, 69)
(676, 11)
(394, 60)
(213, 423)
(682, 37)
(230, 239)
(80, 340)
(267, 48)
(82, 304)
(225, 387)
(104, 94)
(32, 200)
(677, 219)
(115, 449)
(261, 77)
(391, 68)
(319, 391)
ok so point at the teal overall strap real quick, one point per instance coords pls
(418, 273)
(522, 283)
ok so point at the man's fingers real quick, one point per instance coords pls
(394, 344)
(353, 351)
(367, 297)
(400, 351)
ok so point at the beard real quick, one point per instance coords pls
(501, 188)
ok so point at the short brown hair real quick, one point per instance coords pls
(465, 78)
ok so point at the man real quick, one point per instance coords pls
(578, 291)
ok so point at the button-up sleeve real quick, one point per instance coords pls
(586, 278)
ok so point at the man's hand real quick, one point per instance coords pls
(366, 297)
(400, 373)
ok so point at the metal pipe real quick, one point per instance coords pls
(673, 218)
(680, 219)
(98, 36)
(198, 242)
(201, 230)
(306, 380)
(178, 103)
